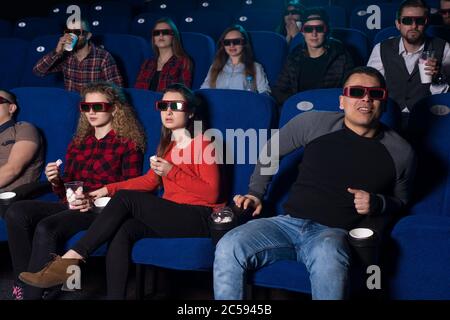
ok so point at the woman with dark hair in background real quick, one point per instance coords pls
(234, 65)
(170, 63)
(185, 166)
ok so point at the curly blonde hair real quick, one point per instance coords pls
(125, 123)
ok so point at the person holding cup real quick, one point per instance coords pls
(414, 65)
(107, 147)
(80, 61)
(185, 165)
(353, 168)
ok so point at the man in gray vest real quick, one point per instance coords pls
(397, 59)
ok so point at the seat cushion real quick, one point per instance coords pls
(175, 253)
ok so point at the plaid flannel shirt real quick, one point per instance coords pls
(100, 162)
(176, 70)
(99, 65)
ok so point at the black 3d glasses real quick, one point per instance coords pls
(419, 21)
(235, 42)
(77, 32)
(4, 100)
(164, 32)
(360, 92)
(163, 105)
(318, 29)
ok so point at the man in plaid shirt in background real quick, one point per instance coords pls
(85, 64)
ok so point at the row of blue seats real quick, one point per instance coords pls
(17, 57)
(118, 18)
(417, 267)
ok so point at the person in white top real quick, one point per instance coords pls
(394, 57)
(234, 64)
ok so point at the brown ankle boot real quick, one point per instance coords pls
(53, 274)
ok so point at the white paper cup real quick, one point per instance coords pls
(6, 198)
(102, 202)
(69, 46)
(424, 78)
(72, 188)
(361, 233)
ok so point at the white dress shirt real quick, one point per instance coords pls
(411, 59)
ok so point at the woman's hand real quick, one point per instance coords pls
(52, 172)
(81, 203)
(160, 166)
(102, 192)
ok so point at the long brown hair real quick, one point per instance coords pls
(177, 47)
(125, 123)
(221, 57)
(193, 107)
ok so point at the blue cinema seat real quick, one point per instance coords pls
(212, 23)
(270, 50)
(291, 275)
(39, 47)
(419, 261)
(201, 49)
(32, 27)
(128, 61)
(5, 28)
(356, 42)
(258, 19)
(223, 105)
(13, 52)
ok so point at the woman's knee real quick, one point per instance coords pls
(19, 213)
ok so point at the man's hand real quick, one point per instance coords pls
(66, 38)
(432, 67)
(362, 200)
(248, 200)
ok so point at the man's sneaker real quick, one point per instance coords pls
(17, 291)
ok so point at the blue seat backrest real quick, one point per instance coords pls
(337, 15)
(219, 5)
(252, 19)
(212, 23)
(270, 50)
(386, 33)
(54, 112)
(5, 28)
(225, 107)
(32, 27)
(201, 49)
(143, 102)
(143, 23)
(429, 128)
(313, 100)
(13, 52)
(371, 18)
(356, 42)
(128, 51)
(39, 47)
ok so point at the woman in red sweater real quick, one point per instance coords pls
(192, 190)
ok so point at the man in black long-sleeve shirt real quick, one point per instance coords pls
(353, 166)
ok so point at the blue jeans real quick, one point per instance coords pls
(325, 252)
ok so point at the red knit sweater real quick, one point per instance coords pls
(193, 182)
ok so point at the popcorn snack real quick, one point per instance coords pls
(153, 158)
(58, 162)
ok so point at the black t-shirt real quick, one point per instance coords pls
(312, 72)
(331, 164)
(154, 81)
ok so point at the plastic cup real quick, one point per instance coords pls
(221, 222)
(425, 78)
(100, 203)
(70, 45)
(73, 188)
